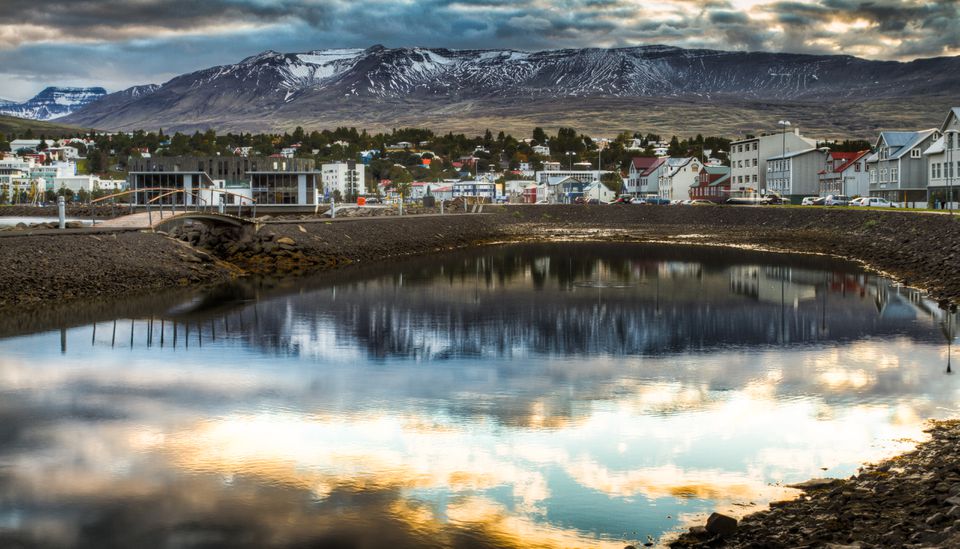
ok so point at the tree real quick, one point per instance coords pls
(612, 181)
(539, 135)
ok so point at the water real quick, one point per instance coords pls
(543, 395)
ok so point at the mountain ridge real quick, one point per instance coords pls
(378, 86)
(52, 102)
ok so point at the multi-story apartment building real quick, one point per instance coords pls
(943, 162)
(345, 178)
(898, 170)
(748, 158)
(796, 174)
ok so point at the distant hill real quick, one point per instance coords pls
(52, 102)
(12, 124)
(654, 88)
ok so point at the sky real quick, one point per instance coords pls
(120, 43)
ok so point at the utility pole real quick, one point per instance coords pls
(783, 146)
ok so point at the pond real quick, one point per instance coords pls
(553, 395)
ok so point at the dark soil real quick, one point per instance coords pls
(85, 212)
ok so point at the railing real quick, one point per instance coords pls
(200, 204)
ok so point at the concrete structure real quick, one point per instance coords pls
(898, 170)
(748, 158)
(681, 174)
(943, 163)
(796, 174)
(267, 180)
(346, 178)
(845, 173)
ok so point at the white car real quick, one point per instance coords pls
(875, 202)
(859, 201)
(837, 200)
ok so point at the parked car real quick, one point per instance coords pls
(837, 200)
(702, 202)
(653, 201)
(775, 199)
(812, 201)
(874, 202)
(623, 200)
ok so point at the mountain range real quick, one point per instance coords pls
(52, 102)
(652, 88)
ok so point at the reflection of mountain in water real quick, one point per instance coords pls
(575, 300)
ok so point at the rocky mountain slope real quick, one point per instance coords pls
(380, 87)
(52, 103)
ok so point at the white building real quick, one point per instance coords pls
(346, 177)
(943, 162)
(748, 158)
(542, 150)
(27, 144)
(680, 175)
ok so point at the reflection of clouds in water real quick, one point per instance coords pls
(327, 421)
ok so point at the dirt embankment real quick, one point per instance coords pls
(920, 249)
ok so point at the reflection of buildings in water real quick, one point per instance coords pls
(774, 284)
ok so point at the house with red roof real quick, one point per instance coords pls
(644, 175)
(712, 184)
(845, 173)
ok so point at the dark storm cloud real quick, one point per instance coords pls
(118, 43)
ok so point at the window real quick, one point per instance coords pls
(754, 145)
(893, 174)
(856, 167)
(754, 162)
(914, 153)
(883, 175)
(873, 176)
(754, 178)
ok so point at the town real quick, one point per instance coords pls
(908, 169)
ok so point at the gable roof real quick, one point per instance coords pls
(849, 159)
(901, 142)
(954, 112)
(792, 154)
(641, 163)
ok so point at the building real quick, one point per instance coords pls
(681, 174)
(585, 176)
(642, 171)
(898, 170)
(845, 173)
(713, 184)
(748, 158)
(480, 189)
(267, 180)
(542, 150)
(346, 178)
(943, 163)
(796, 175)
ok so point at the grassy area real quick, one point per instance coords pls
(11, 124)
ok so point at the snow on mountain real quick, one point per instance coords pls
(52, 103)
(274, 87)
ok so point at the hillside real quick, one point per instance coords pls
(657, 88)
(12, 124)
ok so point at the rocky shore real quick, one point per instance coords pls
(910, 501)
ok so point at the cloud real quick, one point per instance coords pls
(117, 43)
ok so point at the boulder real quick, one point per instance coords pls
(814, 484)
(286, 240)
(74, 224)
(721, 525)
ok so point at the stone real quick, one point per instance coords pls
(286, 240)
(955, 500)
(721, 525)
(936, 518)
(814, 484)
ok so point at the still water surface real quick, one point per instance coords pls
(544, 395)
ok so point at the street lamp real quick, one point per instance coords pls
(571, 154)
(783, 145)
(950, 145)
